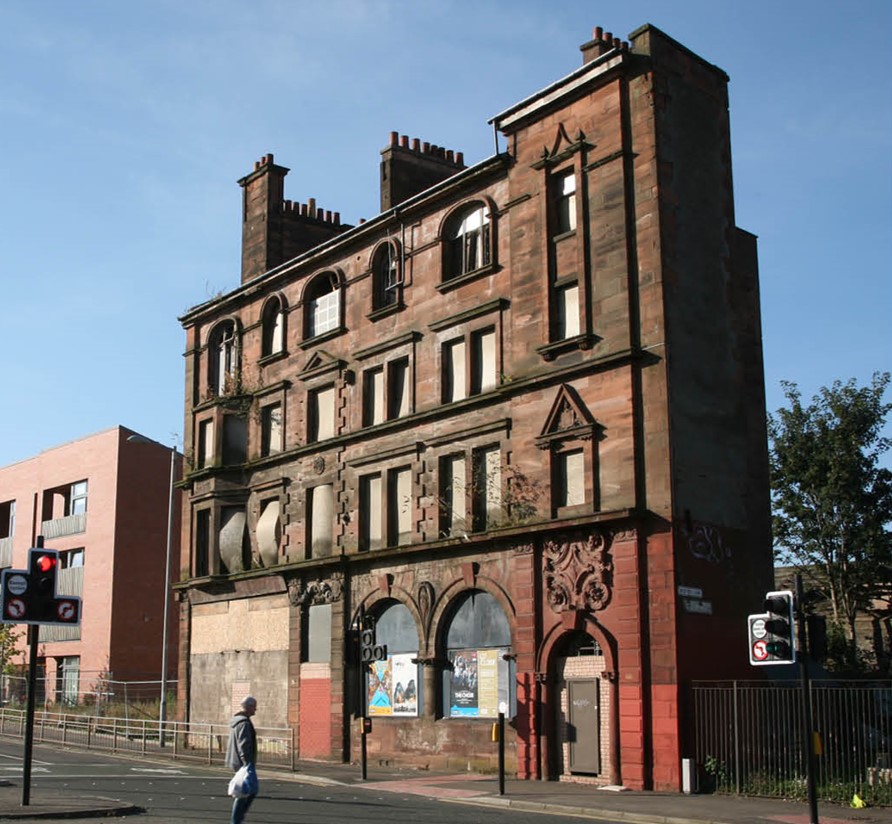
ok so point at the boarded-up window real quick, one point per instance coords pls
(205, 443)
(370, 504)
(398, 388)
(271, 429)
(321, 507)
(567, 311)
(483, 361)
(399, 506)
(454, 384)
(269, 532)
(570, 478)
(373, 397)
(321, 414)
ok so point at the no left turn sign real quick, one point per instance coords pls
(760, 651)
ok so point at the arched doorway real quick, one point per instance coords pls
(582, 742)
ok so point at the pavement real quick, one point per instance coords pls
(556, 797)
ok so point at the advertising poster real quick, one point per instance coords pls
(380, 688)
(488, 683)
(464, 683)
(393, 687)
(405, 686)
(479, 683)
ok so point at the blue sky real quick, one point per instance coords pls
(126, 124)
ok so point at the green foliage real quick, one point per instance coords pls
(8, 640)
(832, 501)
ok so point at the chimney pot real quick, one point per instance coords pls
(598, 33)
(416, 144)
(426, 147)
(394, 138)
(404, 141)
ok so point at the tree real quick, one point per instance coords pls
(831, 499)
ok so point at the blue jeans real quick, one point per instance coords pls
(240, 808)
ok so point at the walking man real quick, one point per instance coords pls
(240, 750)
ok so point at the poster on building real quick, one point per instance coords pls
(380, 681)
(393, 687)
(405, 685)
(479, 683)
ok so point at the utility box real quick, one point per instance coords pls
(689, 783)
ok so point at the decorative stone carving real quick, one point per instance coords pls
(425, 602)
(578, 573)
(325, 591)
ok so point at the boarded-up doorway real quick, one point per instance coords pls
(583, 732)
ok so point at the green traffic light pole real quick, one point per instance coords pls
(808, 727)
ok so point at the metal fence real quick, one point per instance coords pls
(749, 739)
(197, 742)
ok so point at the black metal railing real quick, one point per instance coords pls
(748, 738)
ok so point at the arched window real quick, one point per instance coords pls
(222, 358)
(323, 305)
(478, 681)
(467, 241)
(393, 684)
(273, 323)
(387, 277)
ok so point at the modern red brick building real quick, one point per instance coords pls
(517, 418)
(102, 502)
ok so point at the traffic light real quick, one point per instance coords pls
(369, 650)
(780, 643)
(29, 596)
(43, 565)
(772, 634)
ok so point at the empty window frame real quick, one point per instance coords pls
(467, 241)
(453, 497)
(385, 392)
(323, 305)
(273, 327)
(464, 375)
(201, 558)
(564, 197)
(387, 280)
(320, 414)
(486, 488)
(222, 358)
(271, 431)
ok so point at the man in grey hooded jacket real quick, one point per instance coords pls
(240, 750)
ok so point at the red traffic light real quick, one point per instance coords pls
(45, 563)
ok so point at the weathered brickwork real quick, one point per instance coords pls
(517, 419)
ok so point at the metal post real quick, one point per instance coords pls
(33, 637)
(501, 753)
(363, 750)
(808, 727)
(162, 710)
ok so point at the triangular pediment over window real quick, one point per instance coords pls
(568, 420)
(319, 363)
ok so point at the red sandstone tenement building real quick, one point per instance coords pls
(102, 502)
(517, 418)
